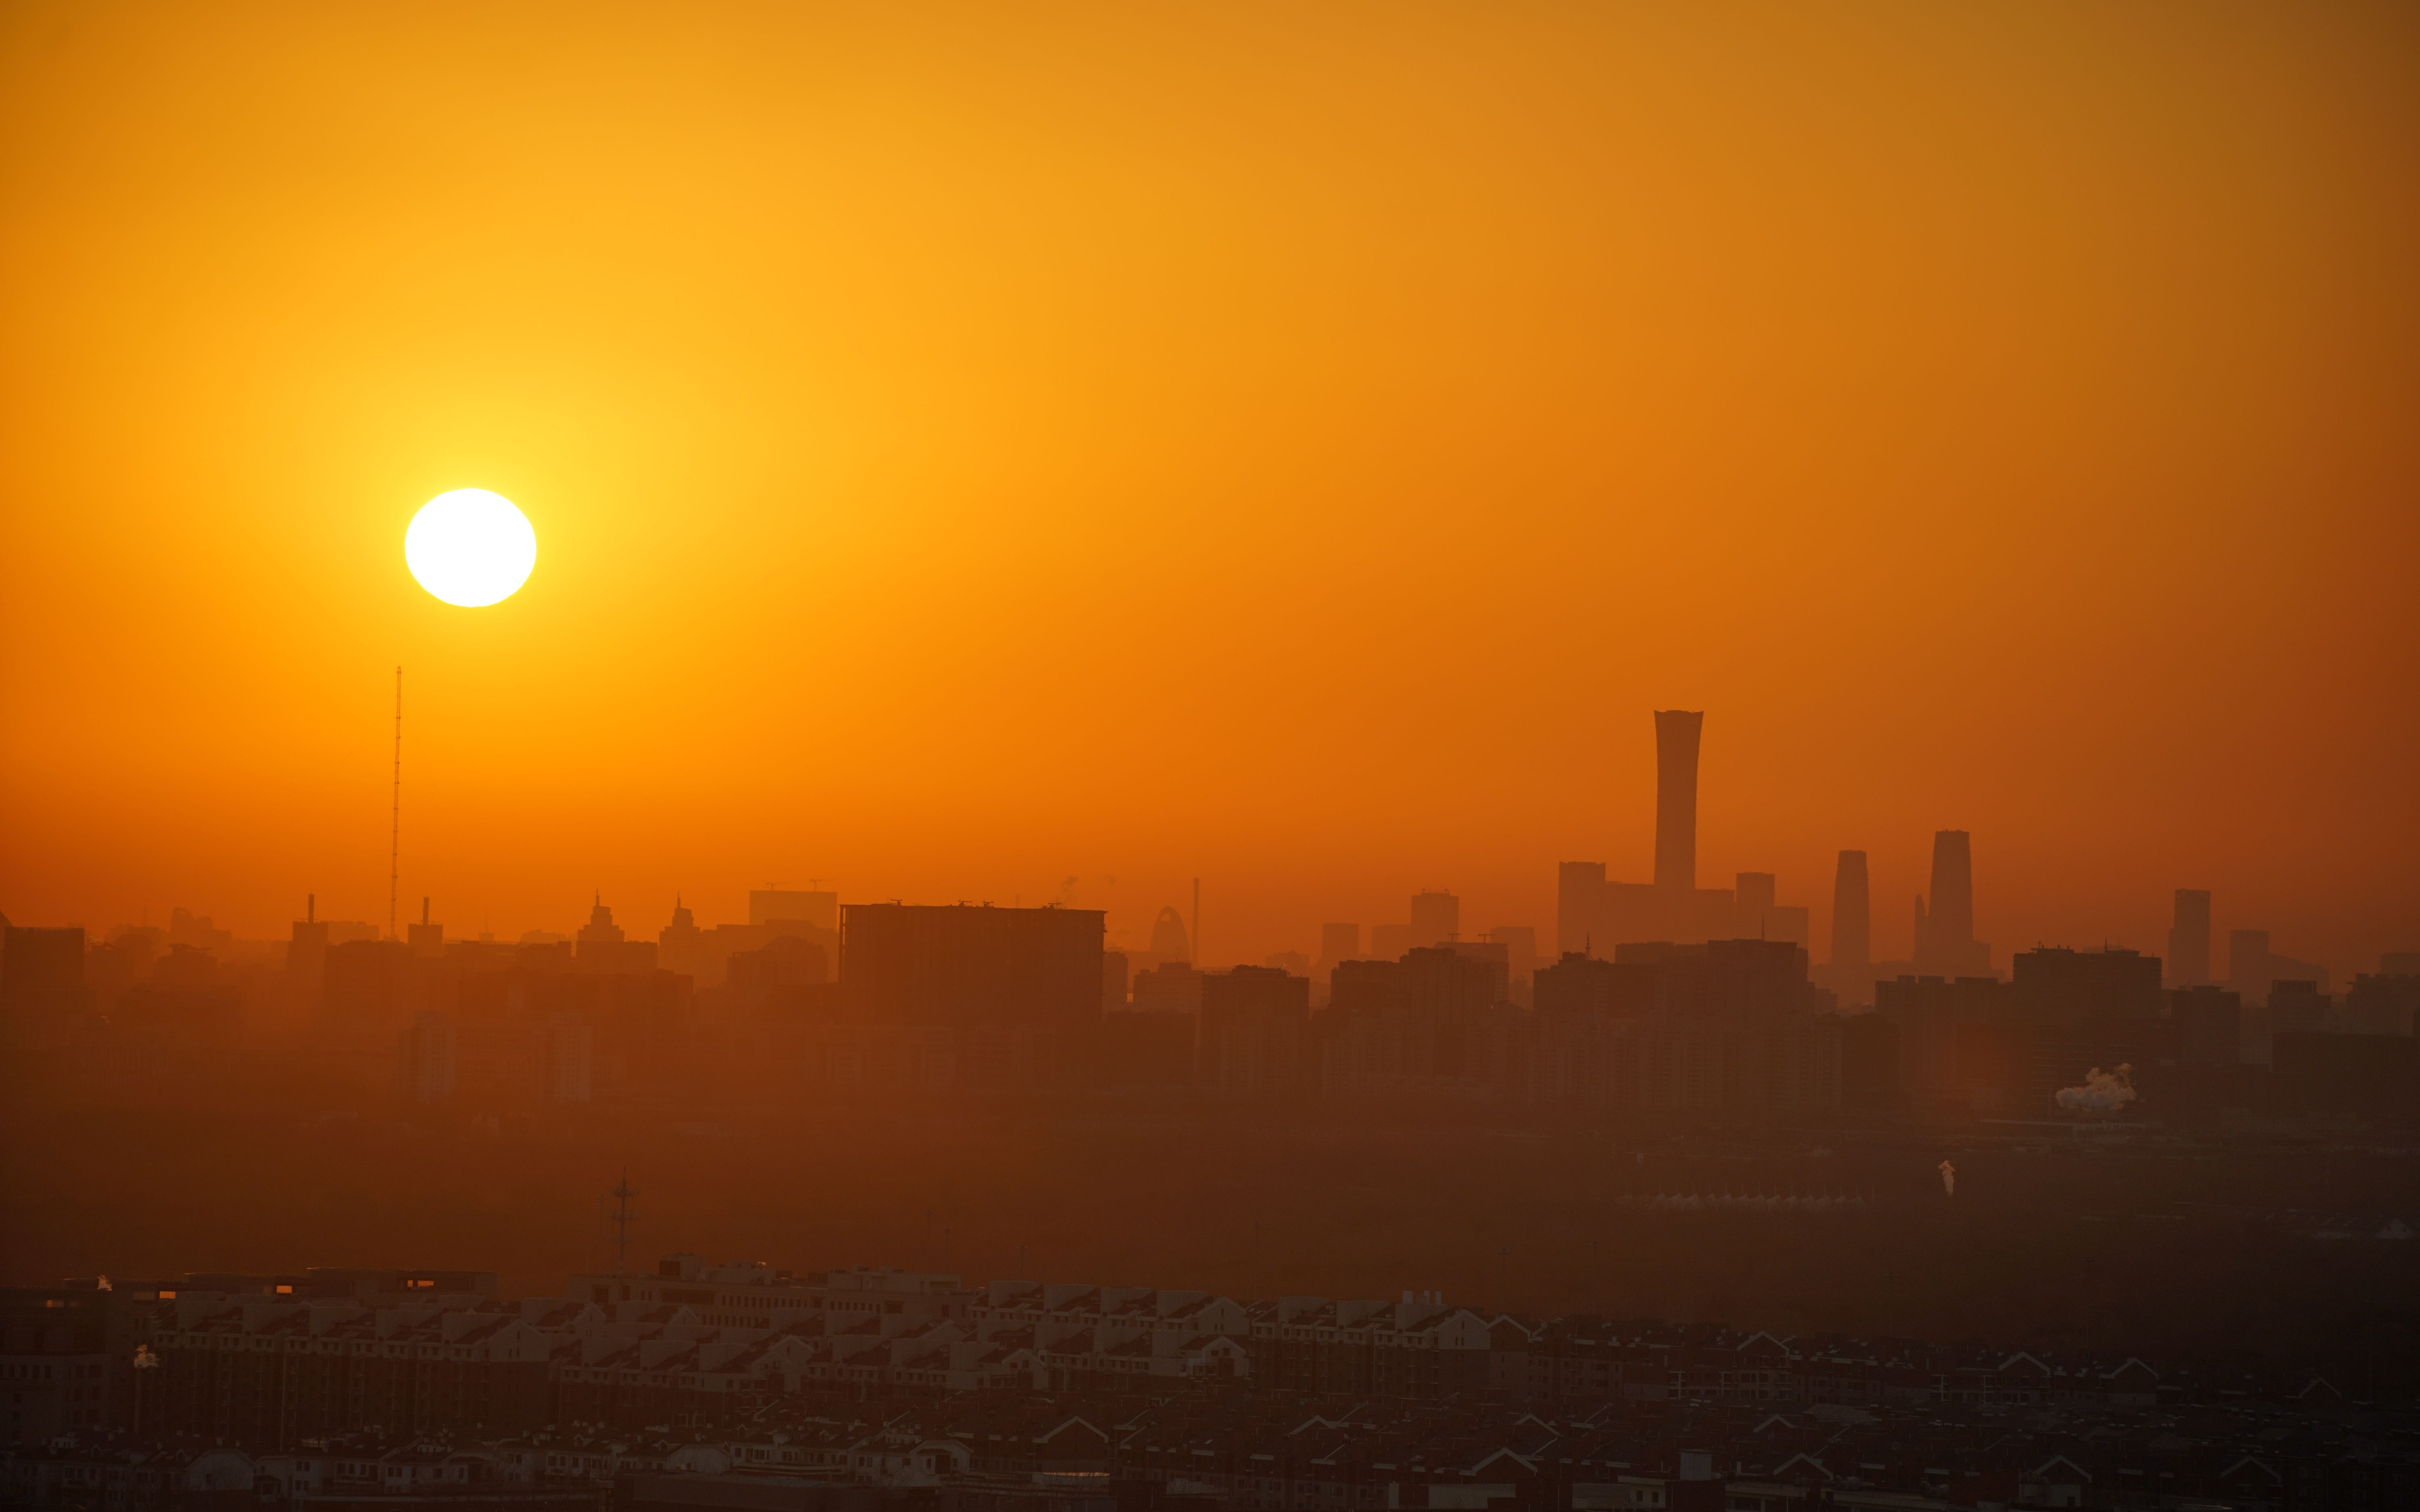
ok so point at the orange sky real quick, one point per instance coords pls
(972, 448)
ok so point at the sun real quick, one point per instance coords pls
(471, 548)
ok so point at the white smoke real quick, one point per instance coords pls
(2104, 1091)
(1948, 1179)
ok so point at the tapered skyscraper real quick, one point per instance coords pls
(1853, 920)
(1944, 921)
(2189, 939)
(1676, 798)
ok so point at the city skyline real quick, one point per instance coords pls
(1860, 392)
(1675, 808)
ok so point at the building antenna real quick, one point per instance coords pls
(395, 813)
(621, 1221)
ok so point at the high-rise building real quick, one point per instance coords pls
(1520, 942)
(2247, 964)
(1337, 942)
(1853, 923)
(1436, 918)
(1677, 732)
(1255, 1031)
(776, 905)
(2059, 983)
(2189, 939)
(1595, 915)
(968, 965)
(2251, 965)
(680, 946)
(1753, 890)
(1945, 922)
(41, 984)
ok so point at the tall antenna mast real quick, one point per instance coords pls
(394, 816)
(621, 1221)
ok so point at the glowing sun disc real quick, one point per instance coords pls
(471, 548)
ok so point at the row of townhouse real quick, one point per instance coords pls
(1579, 1361)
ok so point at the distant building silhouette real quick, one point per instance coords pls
(1850, 972)
(2053, 980)
(1594, 914)
(680, 946)
(968, 965)
(1852, 921)
(1945, 923)
(775, 906)
(2252, 967)
(1115, 969)
(1677, 732)
(1170, 987)
(2209, 1025)
(2189, 939)
(600, 945)
(1337, 943)
(427, 938)
(41, 985)
(1255, 1032)
(1520, 942)
(1436, 918)
(1168, 940)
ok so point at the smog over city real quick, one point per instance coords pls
(972, 758)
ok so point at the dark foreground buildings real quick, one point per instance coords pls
(743, 1386)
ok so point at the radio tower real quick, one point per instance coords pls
(621, 1220)
(395, 814)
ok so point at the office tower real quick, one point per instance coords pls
(1255, 1030)
(1752, 896)
(963, 965)
(680, 946)
(306, 959)
(2189, 939)
(2247, 964)
(1945, 922)
(364, 991)
(1580, 892)
(1951, 907)
(1436, 918)
(1676, 798)
(2209, 1025)
(1754, 892)
(2053, 980)
(41, 984)
(600, 947)
(774, 906)
(1170, 987)
(1339, 942)
(1520, 942)
(1853, 923)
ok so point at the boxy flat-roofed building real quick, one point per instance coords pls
(971, 965)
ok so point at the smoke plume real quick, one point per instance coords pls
(2104, 1091)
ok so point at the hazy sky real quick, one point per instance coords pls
(975, 447)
